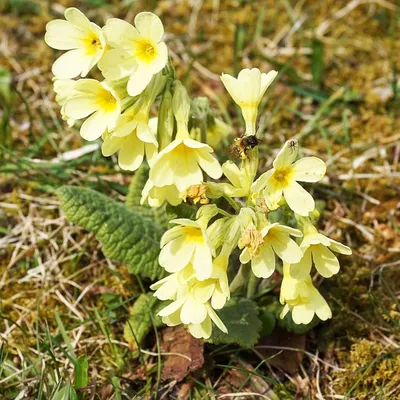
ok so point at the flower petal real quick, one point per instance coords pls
(111, 145)
(77, 18)
(202, 261)
(325, 261)
(261, 182)
(209, 164)
(298, 199)
(71, 64)
(78, 107)
(62, 35)
(263, 265)
(139, 80)
(131, 154)
(308, 169)
(193, 312)
(120, 34)
(117, 64)
(287, 154)
(285, 248)
(149, 26)
(94, 126)
(302, 269)
(339, 247)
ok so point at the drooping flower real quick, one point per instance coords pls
(138, 51)
(156, 196)
(181, 164)
(188, 242)
(193, 301)
(96, 100)
(260, 247)
(84, 40)
(132, 146)
(302, 299)
(317, 248)
(247, 91)
(282, 179)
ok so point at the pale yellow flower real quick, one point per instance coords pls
(317, 248)
(260, 247)
(181, 164)
(134, 136)
(193, 301)
(156, 196)
(240, 181)
(302, 299)
(187, 243)
(247, 91)
(96, 100)
(282, 179)
(138, 52)
(84, 40)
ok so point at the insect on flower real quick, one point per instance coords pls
(240, 146)
(293, 145)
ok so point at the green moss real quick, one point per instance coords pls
(371, 369)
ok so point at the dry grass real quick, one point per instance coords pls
(342, 104)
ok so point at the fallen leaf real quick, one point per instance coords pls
(188, 353)
(274, 353)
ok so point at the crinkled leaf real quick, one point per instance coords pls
(142, 315)
(241, 319)
(126, 235)
(134, 195)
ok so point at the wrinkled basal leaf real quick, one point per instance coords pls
(241, 319)
(126, 236)
(142, 315)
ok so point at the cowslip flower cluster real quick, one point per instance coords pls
(250, 232)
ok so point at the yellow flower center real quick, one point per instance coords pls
(282, 176)
(92, 44)
(146, 51)
(193, 234)
(106, 101)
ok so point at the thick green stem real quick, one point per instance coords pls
(252, 285)
(240, 278)
(233, 203)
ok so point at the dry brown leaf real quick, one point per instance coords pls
(288, 360)
(188, 353)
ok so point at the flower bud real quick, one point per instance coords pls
(165, 120)
(181, 109)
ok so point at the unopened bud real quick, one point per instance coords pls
(165, 120)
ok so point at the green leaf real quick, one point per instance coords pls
(142, 315)
(134, 195)
(67, 392)
(81, 374)
(126, 235)
(5, 83)
(241, 319)
(317, 61)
